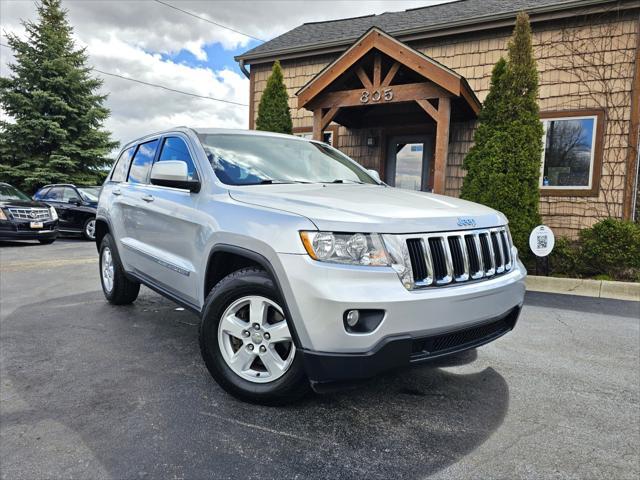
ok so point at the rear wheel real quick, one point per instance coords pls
(246, 341)
(89, 229)
(117, 288)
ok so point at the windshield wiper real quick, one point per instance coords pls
(340, 180)
(271, 181)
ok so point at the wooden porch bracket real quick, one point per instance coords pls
(390, 75)
(321, 120)
(364, 78)
(429, 108)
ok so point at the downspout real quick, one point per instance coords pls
(243, 69)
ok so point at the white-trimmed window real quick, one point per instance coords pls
(327, 136)
(571, 150)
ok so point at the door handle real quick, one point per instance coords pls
(116, 191)
(147, 198)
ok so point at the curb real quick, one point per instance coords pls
(585, 287)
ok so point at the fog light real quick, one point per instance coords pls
(352, 318)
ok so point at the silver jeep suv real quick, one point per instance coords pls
(304, 267)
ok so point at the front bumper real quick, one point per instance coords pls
(21, 230)
(318, 294)
(324, 370)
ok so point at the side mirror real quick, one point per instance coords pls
(374, 174)
(173, 173)
(75, 201)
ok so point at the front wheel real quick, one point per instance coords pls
(246, 341)
(117, 288)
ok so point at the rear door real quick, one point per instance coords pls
(132, 208)
(168, 226)
(114, 201)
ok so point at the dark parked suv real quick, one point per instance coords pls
(76, 207)
(24, 219)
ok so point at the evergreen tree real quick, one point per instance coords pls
(56, 134)
(273, 111)
(503, 166)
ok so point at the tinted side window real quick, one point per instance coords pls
(122, 165)
(142, 162)
(68, 194)
(42, 192)
(54, 194)
(174, 148)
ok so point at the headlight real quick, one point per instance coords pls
(2, 215)
(349, 248)
(54, 214)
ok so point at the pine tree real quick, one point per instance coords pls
(273, 111)
(503, 166)
(56, 134)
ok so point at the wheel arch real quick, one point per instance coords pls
(225, 259)
(102, 228)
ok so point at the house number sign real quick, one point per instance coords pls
(386, 95)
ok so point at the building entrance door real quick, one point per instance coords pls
(409, 161)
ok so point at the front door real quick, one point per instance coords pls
(409, 161)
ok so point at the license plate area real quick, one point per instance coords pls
(36, 225)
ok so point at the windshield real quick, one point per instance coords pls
(89, 194)
(7, 192)
(250, 160)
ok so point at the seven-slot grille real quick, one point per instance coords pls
(32, 214)
(452, 257)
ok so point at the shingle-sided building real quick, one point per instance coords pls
(400, 92)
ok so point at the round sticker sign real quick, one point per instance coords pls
(541, 241)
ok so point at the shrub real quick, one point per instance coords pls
(273, 111)
(611, 247)
(564, 260)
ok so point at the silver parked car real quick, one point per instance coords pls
(304, 267)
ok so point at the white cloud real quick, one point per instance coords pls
(128, 38)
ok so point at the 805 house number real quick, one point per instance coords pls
(386, 95)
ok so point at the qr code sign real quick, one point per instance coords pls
(542, 241)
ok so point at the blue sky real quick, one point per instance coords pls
(218, 57)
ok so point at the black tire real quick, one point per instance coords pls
(87, 235)
(47, 241)
(124, 291)
(289, 388)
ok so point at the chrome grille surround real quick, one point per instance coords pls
(31, 214)
(480, 254)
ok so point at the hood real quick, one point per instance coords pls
(370, 208)
(22, 204)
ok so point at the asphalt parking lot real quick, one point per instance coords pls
(89, 390)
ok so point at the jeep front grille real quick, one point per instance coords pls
(33, 214)
(439, 259)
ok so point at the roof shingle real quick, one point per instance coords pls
(336, 31)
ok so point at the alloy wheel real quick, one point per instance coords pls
(90, 229)
(255, 340)
(107, 269)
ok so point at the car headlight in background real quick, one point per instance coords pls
(3, 216)
(54, 214)
(347, 248)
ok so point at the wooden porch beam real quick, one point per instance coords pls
(377, 70)
(399, 93)
(366, 83)
(317, 124)
(429, 108)
(442, 145)
(390, 75)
